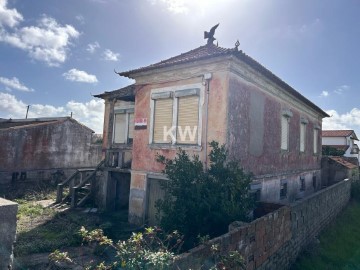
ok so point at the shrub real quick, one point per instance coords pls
(199, 202)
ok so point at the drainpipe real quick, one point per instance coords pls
(207, 78)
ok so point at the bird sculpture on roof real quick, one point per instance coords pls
(210, 35)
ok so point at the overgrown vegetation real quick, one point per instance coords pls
(332, 151)
(44, 229)
(203, 202)
(151, 249)
(339, 244)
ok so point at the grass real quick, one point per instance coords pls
(339, 246)
(42, 229)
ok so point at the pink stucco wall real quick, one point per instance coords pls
(144, 157)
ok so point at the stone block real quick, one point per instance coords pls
(8, 211)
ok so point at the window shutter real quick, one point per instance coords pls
(131, 126)
(302, 137)
(119, 128)
(188, 120)
(315, 141)
(284, 133)
(163, 116)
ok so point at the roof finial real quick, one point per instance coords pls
(210, 35)
(237, 44)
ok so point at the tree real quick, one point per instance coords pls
(332, 151)
(199, 202)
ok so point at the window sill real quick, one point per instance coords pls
(175, 146)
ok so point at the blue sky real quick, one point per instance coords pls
(55, 54)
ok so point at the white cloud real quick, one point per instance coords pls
(341, 89)
(80, 18)
(349, 120)
(109, 55)
(9, 17)
(14, 83)
(187, 6)
(92, 47)
(89, 113)
(49, 41)
(76, 75)
(324, 94)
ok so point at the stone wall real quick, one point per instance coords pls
(8, 211)
(275, 240)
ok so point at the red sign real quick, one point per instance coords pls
(140, 122)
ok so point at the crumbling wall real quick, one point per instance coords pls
(8, 211)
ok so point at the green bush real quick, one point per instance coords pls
(203, 202)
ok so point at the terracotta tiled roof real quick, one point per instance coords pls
(339, 133)
(126, 93)
(211, 51)
(199, 53)
(344, 162)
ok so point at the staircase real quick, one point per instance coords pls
(78, 186)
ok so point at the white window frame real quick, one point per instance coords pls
(285, 114)
(175, 94)
(303, 124)
(316, 139)
(127, 112)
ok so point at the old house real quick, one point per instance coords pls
(37, 148)
(209, 93)
(341, 140)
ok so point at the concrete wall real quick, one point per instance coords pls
(275, 240)
(270, 186)
(64, 144)
(8, 211)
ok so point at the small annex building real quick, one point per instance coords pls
(36, 148)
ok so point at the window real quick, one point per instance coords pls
(255, 191)
(302, 183)
(283, 190)
(176, 117)
(163, 119)
(284, 133)
(302, 137)
(316, 132)
(123, 126)
(303, 123)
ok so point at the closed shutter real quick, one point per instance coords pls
(284, 133)
(119, 128)
(302, 137)
(131, 126)
(315, 141)
(163, 116)
(188, 120)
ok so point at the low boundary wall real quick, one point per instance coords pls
(8, 211)
(275, 240)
